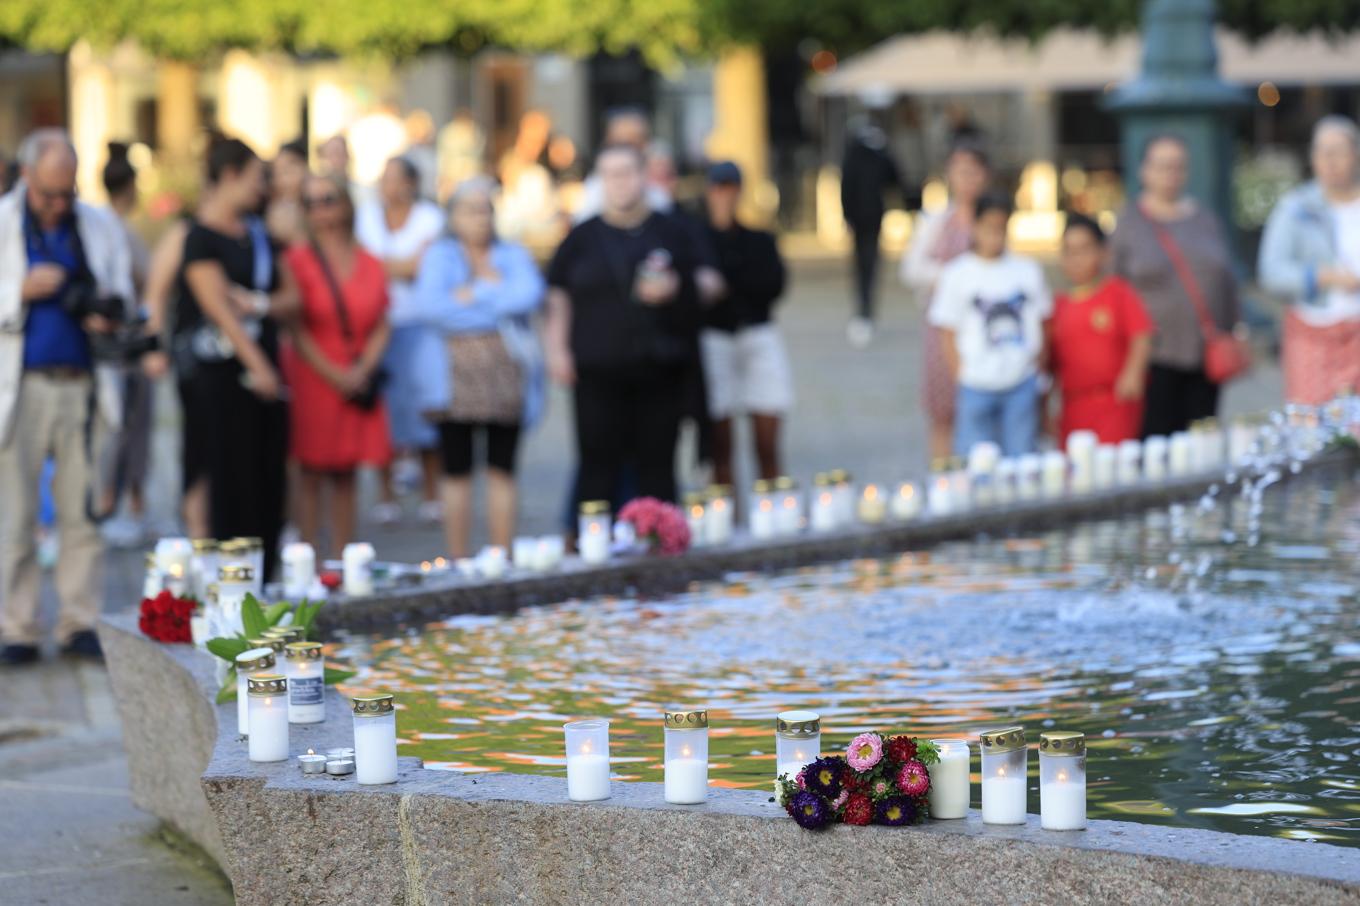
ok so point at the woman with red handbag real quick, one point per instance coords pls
(1175, 254)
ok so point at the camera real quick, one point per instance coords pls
(82, 299)
(127, 342)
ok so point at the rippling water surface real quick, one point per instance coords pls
(1218, 682)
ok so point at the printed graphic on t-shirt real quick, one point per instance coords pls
(1001, 317)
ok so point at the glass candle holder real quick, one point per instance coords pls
(906, 503)
(1005, 759)
(256, 660)
(951, 788)
(842, 495)
(719, 514)
(268, 694)
(822, 506)
(788, 506)
(594, 524)
(797, 742)
(1105, 466)
(686, 757)
(299, 569)
(1062, 781)
(357, 568)
(873, 505)
(1054, 470)
(761, 514)
(305, 667)
(375, 739)
(202, 566)
(234, 582)
(587, 760)
(695, 504)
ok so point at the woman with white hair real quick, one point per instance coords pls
(480, 293)
(1310, 254)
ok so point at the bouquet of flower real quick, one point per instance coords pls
(877, 781)
(660, 524)
(165, 618)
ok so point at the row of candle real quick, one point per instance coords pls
(1005, 755)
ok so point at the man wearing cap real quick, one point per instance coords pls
(745, 362)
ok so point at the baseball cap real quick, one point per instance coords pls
(724, 172)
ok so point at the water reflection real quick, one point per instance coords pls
(1218, 683)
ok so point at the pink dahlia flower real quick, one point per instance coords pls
(864, 751)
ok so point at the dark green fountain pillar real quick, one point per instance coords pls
(1179, 92)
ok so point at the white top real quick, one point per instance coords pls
(996, 309)
(423, 225)
(1339, 305)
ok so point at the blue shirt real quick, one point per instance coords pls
(52, 338)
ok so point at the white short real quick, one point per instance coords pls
(747, 371)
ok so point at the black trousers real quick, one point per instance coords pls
(866, 265)
(1176, 397)
(628, 419)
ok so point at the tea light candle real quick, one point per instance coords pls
(718, 515)
(762, 517)
(797, 742)
(1054, 470)
(872, 507)
(822, 512)
(1062, 781)
(1178, 454)
(1081, 450)
(695, 503)
(339, 753)
(788, 506)
(312, 763)
(1004, 761)
(906, 503)
(1155, 451)
(357, 565)
(1130, 462)
(268, 694)
(305, 667)
(1105, 465)
(340, 767)
(686, 757)
(524, 553)
(1029, 477)
(951, 788)
(299, 569)
(256, 660)
(587, 760)
(594, 529)
(375, 739)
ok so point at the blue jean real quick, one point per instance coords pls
(1008, 418)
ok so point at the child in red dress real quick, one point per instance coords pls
(1100, 339)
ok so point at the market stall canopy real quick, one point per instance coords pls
(944, 63)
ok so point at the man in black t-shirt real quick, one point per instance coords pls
(623, 314)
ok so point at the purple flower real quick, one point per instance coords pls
(894, 811)
(864, 751)
(823, 777)
(810, 811)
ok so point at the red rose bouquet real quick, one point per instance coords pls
(876, 781)
(660, 524)
(165, 618)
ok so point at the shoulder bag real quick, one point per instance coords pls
(367, 398)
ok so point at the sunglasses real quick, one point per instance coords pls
(321, 201)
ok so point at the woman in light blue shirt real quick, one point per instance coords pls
(484, 365)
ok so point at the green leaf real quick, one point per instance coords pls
(305, 615)
(334, 675)
(274, 612)
(228, 691)
(252, 617)
(227, 649)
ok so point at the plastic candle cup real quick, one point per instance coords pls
(842, 495)
(695, 503)
(939, 493)
(1155, 450)
(1130, 468)
(202, 566)
(491, 562)
(256, 660)
(253, 550)
(587, 760)
(357, 568)
(1062, 781)
(960, 485)
(1053, 474)
(375, 739)
(1178, 454)
(1005, 759)
(1029, 476)
(906, 503)
(234, 582)
(274, 643)
(686, 757)
(524, 553)
(873, 507)
(1081, 449)
(305, 667)
(171, 552)
(822, 509)
(550, 550)
(593, 531)
(151, 579)
(762, 517)
(797, 742)
(1105, 463)
(718, 515)
(268, 694)
(175, 581)
(299, 569)
(788, 506)
(950, 787)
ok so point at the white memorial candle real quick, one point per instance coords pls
(822, 517)
(906, 503)
(1054, 474)
(1155, 458)
(872, 507)
(1105, 466)
(686, 780)
(375, 739)
(268, 694)
(718, 515)
(1003, 800)
(686, 765)
(1004, 759)
(960, 487)
(174, 552)
(550, 550)
(305, 667)
(797, 741)
(299, 569)
(762, 517)
(151, 579)
(1029, 477)
(587, 760)
(1179, 454)
(1004, 491)
(788, 506)
(593, 537)
(940, 500)
(255, 660)
(951, 788)
(1062, 781)
(524, 553)
(1130, 462)
(202, 566)
(843, 496)
(1081, 450)
(176, 582)
(357, 563)
(694, 518)
(491, 562)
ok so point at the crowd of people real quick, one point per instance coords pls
(311, 331)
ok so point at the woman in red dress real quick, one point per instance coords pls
(338, 420)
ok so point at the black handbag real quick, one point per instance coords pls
(371, 393)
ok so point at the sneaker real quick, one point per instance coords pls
(18, 655)
(431, 512)
(49, 549)
(406, 474)
(83, 644)
(386, 514)
(860, 332)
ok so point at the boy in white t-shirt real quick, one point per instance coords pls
(991, 307)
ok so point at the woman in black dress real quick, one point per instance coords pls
(233, 297)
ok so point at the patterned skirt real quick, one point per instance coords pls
(1319, 362)
(488, 385)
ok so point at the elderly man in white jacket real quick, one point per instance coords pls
(54, 400)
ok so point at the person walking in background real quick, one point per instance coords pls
(938, 239)
(867, 171)
(1100, 338)
(745, 362)
(480, 294)
(1310, 254)
(990, 306)
(338, 419)
(396, 228)
(55, 400)
(623, 314)
(232, 298)
(284, 218)
(1172, 251)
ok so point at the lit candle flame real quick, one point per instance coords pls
(908, 491)
(426, 566)
(790, 503)
(440, 562)
(871, 492)
(684, 752)
(766, 506)
(719, 504)
(310, 752)
(696, 511)
(1062, 776)
(1001, 771)
(825, 499)
(585, 747)
(594, 528)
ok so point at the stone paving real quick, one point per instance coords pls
(68, 832)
